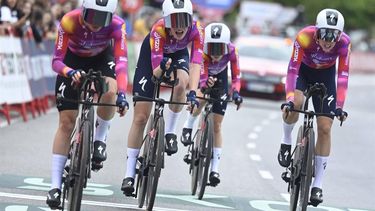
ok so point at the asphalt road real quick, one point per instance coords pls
(249, 171)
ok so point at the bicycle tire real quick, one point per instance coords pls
(195, 157)
(194, 167)
(141, 178)
(80, 166)
(294, 183)
(205, 156)
(307, 169)
(155, 170)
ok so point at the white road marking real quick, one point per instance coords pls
(194, 199)
(86, 202)
(255, 157)
(251, 145)
(265, 122)
(258, 129)
(286, 196)
(252, 136)
(265, 174)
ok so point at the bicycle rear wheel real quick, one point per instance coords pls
(307, 169)
(142, 176)
(156, 164)
(79, 166)
(205, 154)
(294, 183)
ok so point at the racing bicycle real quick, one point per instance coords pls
(151, 161)
(78, 171)
(301, 170)
(200, 151)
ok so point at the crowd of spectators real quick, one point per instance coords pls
(33, 19)
(38, 19)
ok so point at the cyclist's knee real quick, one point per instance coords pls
(110, 94)
(217, 127)
(324, 129)
(66, 124)
(140, 119)
(180, 88)
(292, 118)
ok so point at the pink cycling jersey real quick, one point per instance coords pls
(214, 68)
(73, 34)
(307, 50)
(162, 42)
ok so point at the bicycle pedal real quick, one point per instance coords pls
(285, 177)
(187, 159)
(96, 166)
(130, 195)
(314, 204)
(212, 185)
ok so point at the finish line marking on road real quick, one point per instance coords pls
(86, 202)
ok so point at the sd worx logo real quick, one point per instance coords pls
(60, 41)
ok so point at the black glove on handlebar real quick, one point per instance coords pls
(163, 67)
(289, 105)
(340, 113)
(237, 98)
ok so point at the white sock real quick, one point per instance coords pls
(287, 133)
(131, 162)
(320, 166)
(170, 120)
(58, 164)
(216, 159)
(189, 123)
(102, 129)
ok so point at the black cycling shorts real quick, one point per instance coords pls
(103, 62)
(222, 77)
(142, 84)
(309, 76)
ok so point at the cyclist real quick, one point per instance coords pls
(164, 47)
(84, 42)
(218, 51)
(316, 49)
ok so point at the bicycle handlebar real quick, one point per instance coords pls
(313, 113)
(166, 77)
(60, 98)
(157, 100)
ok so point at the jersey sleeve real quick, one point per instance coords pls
(235, 69)
(61, 47)
(293, 69)
(204, 71)
(121, 56)
(343, 75)
(197, 44)
(157, 40)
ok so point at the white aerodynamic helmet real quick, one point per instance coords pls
(216, 39)
(330, 24)
(98, 12)
(177, 13)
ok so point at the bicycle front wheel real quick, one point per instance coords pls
(157, 153)
(294, 183)
(205, 154)
(194, 167)
(142, 176)
(79, 167)
(307, 169)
